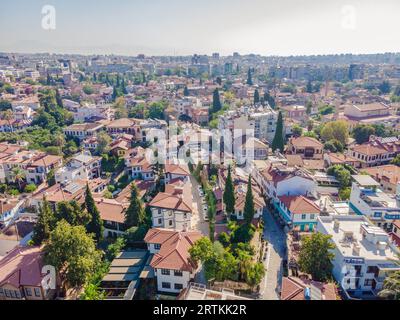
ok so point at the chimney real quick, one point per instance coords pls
(178, 191)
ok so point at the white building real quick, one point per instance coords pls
(262, 121)
(363, 255)
(82, 167)
(368, 199)
(9, 210)
(173, 208)
(171, 262)
(280, 180)
(88, 112)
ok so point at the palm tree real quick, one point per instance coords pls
(244, 263)
(18, 175)
(391, 287)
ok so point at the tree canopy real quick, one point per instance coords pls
(95, 224)
(362, 132)
(135, 215)
(337, 130)
(249, 210)
(315, 256)
(279, 142)
(44, 224)
(72, 252)
(229, 193)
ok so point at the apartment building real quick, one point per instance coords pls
(364, 255)
(367, 198)
(262, 121)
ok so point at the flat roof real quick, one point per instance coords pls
(353, 224)
(365, 180)
(126, 262)
(120, 277)
(127, 266)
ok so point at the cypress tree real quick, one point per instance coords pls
(229, 193)
(216, 102)
(58, 99)
(256, 97)
(44, 225)
(309, 87)
(268, 98)
(278, 142)
(95, 224)
(249, 78)
(114, 94)
(123, 86)
(135, 215)
(186, 92)
(249, 210)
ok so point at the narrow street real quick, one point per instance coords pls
(276, 238)
(199, 223)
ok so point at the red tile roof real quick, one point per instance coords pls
(111, 210)
(179, 169)
(303, 142)
(299, 204)
(293, 289)
(174, 252)
(22, 267)
(177, 196)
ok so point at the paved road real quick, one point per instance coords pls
(198, 222)
(276, 239)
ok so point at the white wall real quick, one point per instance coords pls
(172, 279)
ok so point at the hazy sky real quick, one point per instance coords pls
(183, 27)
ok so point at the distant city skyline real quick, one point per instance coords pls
(178, 27)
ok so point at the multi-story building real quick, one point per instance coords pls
(89, 112)
(280, 180)
(363, 255)
(173, 209)
(80, 167)
(368, 199)
(171, 262)
(176, 171)
(9, 210)
(377, 151)
(262, 121)
(138, 167)
(388, 176)
(307, 147)
(38, 170)
(300, 212)
(21, 275)
(83, 131)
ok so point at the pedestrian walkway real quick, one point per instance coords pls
(276, 239)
